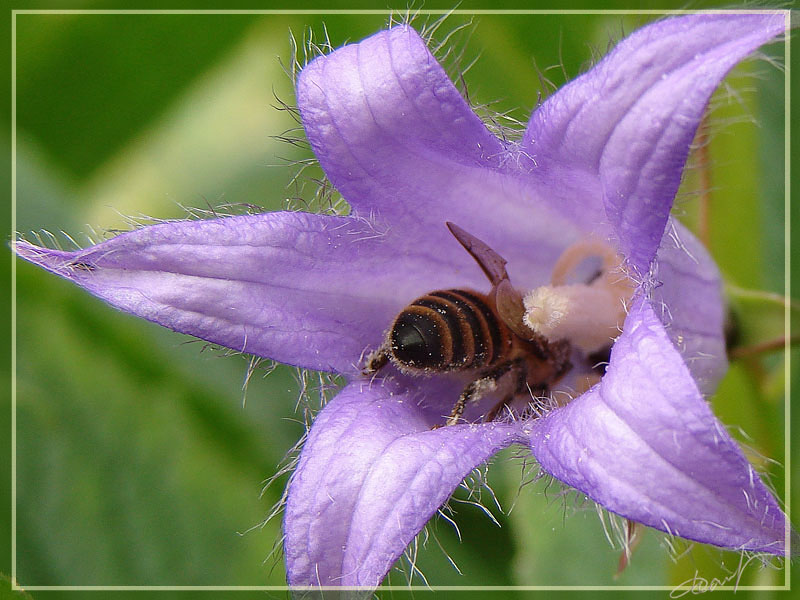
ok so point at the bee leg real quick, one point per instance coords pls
(519, 387)
(376, 360)
(477, 388)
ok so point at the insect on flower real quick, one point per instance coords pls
(500, 335)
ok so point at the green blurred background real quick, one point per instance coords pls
(138, 461)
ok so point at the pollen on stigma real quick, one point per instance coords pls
(588, 314)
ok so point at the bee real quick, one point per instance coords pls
(459, 330)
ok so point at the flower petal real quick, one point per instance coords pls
(688, 298)
(403, 147)
(370, 475)
(304, 289)
(632, 117)
(644, 444)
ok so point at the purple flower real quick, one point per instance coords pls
(594, 176)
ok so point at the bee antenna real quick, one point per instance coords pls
(492, 264)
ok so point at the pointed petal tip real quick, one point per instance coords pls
(631, 119)
(25, 249)
(370, 475)
(62, 263)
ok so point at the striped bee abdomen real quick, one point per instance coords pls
(448, 330)
(464, 331)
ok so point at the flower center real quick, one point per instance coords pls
(589, 315)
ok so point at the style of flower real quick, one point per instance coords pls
(600, 160)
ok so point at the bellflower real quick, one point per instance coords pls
(600, 160)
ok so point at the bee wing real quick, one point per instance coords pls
(507, 299)
(493, 265)
(511, 309)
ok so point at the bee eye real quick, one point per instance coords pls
(417, 341)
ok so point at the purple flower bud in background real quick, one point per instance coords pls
(577, 257)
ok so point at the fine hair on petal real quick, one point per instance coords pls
(407, 565)
(46, 239)
(315, 390)
(733, 90)
(476, 483)
(323, 198)
(614, 528)
(470, 491)
(256, 364)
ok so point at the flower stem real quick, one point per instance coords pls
(769, 297)
(763, 347)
